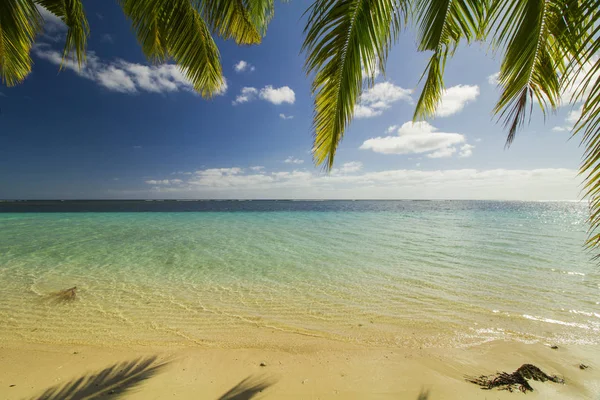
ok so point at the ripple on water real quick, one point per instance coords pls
(440, 274)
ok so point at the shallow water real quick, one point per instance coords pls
(400, 274)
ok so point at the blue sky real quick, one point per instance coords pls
(121, 128)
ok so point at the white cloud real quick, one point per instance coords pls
(478, 140)
(466, 150)
(576, 81)
(365, 112)
(164, 182)
(257, 168)
(283, 116)
(455, 98)
(277, 96)
(242, 66)
(443, 153)
(571, 119)
(493, 79)
(123, 76)
(52, 23)
(116, 79)
(107, 38)
(416, 137)
(391, 128)
(247, 94)
(380, 97)
(574, 115)
(219, 171)
(374, 71)
(348, 168)
(268, 93)
(293, 160)
(498, 184)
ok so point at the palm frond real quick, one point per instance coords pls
(175, 28)
(20, 22)
(585, 68)
(342, 36)
(442, 25)
(243, 20)
(534, 35)
(71, 12)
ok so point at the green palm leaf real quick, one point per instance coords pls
(342, 36)
(585, 69)
(243, 20)
(175, 28)
(20, 21)
(71, 12)
(442, 24)
(532, 34)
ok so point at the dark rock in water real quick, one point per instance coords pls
(65, 295)
(516, 380)
(583, 366)
(555, 347)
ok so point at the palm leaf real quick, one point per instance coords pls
(585, 69)
(243, 20)
(71, 12)
(442, 24)
(20, 21)
(342, 36)
(534, 35)
(175, 28)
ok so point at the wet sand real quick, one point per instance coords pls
(313, 369)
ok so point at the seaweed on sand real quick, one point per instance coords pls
(65, 295)
(516, 380)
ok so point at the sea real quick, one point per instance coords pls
(406, 274)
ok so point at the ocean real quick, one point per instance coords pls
(260, 273)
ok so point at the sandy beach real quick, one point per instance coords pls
(314, 370)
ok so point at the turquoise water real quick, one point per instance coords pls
(400, 274)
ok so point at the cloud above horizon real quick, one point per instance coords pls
(293, 160)
(349, 181)
(275, 96)
(416, 138)
(52, 23)
(380, 97)
(455, 98)
(123, 76)
(243, 66)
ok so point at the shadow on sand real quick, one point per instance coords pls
(114, 381)
(248, 388)
(120, 379)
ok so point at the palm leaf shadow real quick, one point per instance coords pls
(247, 388)
(424, 395)
(116, 381)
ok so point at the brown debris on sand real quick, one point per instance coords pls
(516, 380)
(65, 295)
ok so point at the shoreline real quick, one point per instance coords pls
(325, 371)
